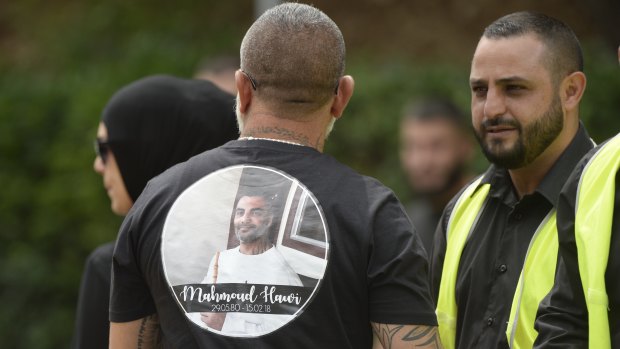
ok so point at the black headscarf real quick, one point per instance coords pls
(159, 121)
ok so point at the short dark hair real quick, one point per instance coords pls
(295, 53)
(432, 108)
(564, 56)
(267, 198)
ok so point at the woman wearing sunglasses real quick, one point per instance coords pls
(146, 127)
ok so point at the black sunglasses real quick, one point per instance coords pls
(102, 148)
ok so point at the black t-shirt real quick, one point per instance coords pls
(92, 326)
(343, 253)
(562, 319)
(493, 256)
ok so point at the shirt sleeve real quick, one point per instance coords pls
(398, 270)
(562, 318)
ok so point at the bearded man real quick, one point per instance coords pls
(496, 247)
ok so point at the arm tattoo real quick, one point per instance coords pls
(149, 334)
(407, 336)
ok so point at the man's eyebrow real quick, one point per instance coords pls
(502, 81)
(511, 79)
(475, 81)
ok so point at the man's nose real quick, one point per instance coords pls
(245, 217)
(98, 165)
(494, 105)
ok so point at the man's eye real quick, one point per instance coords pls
(479, 90)
(514, 88)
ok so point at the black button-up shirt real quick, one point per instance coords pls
(493, 256)
(562, 320)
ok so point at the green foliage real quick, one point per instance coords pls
(56, 74)
(600, 109)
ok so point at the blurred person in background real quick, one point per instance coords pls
(220, 70)
(436, 148)
(583, 308)
(146, 127)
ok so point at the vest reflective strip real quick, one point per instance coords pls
(535, 281)
(593, 222)
(462, 220)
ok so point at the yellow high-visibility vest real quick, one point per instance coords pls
(463, 220)
(535, 281)
(593, 221)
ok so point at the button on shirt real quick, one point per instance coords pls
(493, 256)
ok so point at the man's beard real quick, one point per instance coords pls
(258, 233)
(532, 141)
(241, 125)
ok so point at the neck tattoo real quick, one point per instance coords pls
(270, 139)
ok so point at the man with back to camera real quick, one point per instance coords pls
(588, 233)
(499, 261)
(435, 150)
(255, 260)
(291, 90)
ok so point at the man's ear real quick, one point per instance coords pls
(572, 89)
(244, 90)
(343, 95)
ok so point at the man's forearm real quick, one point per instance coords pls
(139, 334)
(407, 336)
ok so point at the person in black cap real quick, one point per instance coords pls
(146, 127)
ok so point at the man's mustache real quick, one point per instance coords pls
(500, 121)
(246, 226)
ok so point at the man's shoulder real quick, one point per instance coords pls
(177, 178)
(488, 177)
(100, 259)
(573, 180)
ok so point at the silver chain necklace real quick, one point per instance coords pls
(269, 139)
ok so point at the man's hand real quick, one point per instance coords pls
(213, 320)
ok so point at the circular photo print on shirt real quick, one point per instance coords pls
(244, 250)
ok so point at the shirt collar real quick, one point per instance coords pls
(551, 185)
